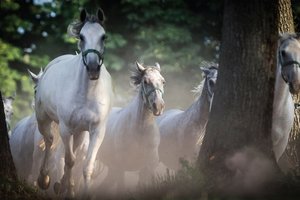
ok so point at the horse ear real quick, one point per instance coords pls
(83, 15)
(40, 73)
(33, 76)
(157, 66)
(140, 67)
(100, 15)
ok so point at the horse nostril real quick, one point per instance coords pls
(154, 105)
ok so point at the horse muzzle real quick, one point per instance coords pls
(294, 88)
(93, 70)
(92, 60)
(158, 108)
(93, 75)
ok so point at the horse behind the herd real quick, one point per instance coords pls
(182, 131)
(8, 111)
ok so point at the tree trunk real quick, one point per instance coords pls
(237, 142)
(286, 20)
(286, 24)
(7, 168)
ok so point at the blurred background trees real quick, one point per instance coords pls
(179, 34)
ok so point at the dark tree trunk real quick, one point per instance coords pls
(286, 20)
(7, 168)
(238, 135)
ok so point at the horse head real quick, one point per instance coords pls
(91, 34)
(289, 60)
(152, 86)
(210, 75)
(8, 108)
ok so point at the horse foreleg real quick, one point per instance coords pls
(36, 164)
(67, 182)
(96, 138)
(80, 142)
(44, 178)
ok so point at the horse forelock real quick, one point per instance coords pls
(287, 36)
(75, 27)
(137, 75)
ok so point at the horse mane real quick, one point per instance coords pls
(136, 76)
(199, 88)
(75, 27)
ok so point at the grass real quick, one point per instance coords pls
(12, 189)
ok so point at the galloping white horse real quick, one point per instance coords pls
(181, 132)
(287, 82)
(132, 136)
(75, 91)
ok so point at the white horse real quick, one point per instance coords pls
(75, 91)
(22, 145)
(27, 147)
(181, 132)
(287, 82)
(132, 137)
(22, 141)
(8, 111)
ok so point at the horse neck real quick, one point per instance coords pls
(281, 90)
(198, 112)
(140, 111)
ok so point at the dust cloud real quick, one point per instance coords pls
(252, 172)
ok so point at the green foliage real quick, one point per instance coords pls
(13, 189)
(8, 76)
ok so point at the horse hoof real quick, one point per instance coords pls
(57, 187)
(44, 182)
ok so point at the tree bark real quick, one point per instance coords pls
(286, 20)
(238, 134)
(7, 168)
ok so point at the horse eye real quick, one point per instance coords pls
(104, 37)
(81, 37)
(283, 53)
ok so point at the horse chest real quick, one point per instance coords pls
(81, 116)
